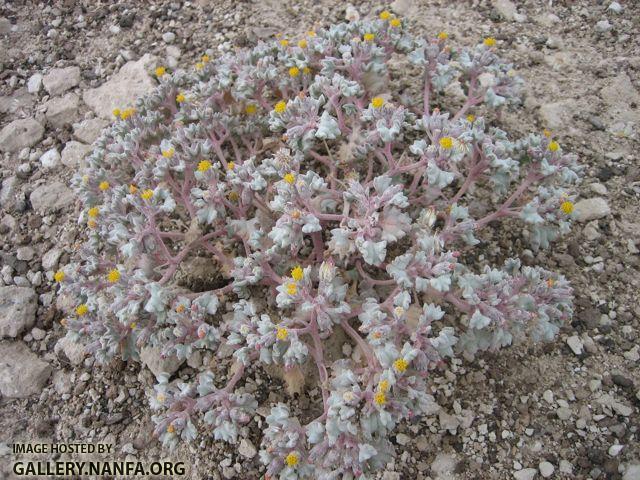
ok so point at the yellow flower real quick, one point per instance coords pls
(369, 37)
(443, 36)
(292, 459)
(383, 386)
(306, 70)
(133, 325)
(168, 153)
(205, 58)
(93, 212)
(292, 289)
(377, 102)
(395, 23)
(58, 276)
(204, 165)
(297, 273)
(231, 165)
(171, 428)
(233, 196)
(289, 178)
(295, 214)
(104, 185)
(554, 146)
(302, 43)
(161, 397)
(147, 194)
(311, 33)
(113, 276)
(282, 333)
(471, 118)
(385, 15)
(180, 98)
(400, 365)
(567, 207)
(446, 142)
(550, 282)
(199, 66)
(280, 107)
(489, 42)
(546, 133)
(91, 223)
(82, 309)
(380, 398)
(250, 109)
(180, 308)
(116, 112)
(284, 42)
(160, 71)
(132, 189)
(127, 113)
(294, 72)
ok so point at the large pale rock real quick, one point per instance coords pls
(591, 209)
(8, 192)
(20, 134)
(619, 96)
(88, 130)
(556, 115)
(152, 358)
(506, 8)
(73, 351)
(18, 307)
(74, 152)
(22, 373)
(122, 90)
(51, 197)
(59, 80)
(62, 111)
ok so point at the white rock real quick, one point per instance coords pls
(546, 469)
(352, 14)
(51, 197)
(615, 7)
(152, 358)
(247, 449)
(565, 466)
(402, 439)
(591, 209)
(548, 396)
(603, 26)
(448, 422)
(38, 334)
(168, 37)
(73, 351)
(632, 472)
(575, 343)
(633, 354)
(598, 188)
(25, 253)
(59, 80)
(50, 159)
(525, 474)
(614, 450)
(556, 115)
(506, 8)
(34, 84)
(89, 130)
(50, 259)
(18, 307)
(443, 466)
(122, 90)
(8, 192)
(74, 152)
(62, 111)
(563, 413)
(22, 373)
(20, 134)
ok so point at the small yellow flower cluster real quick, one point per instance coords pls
(231, 166)
(443, 36)
(59, 276)
(377, 102)
(380, 398)
(294, 72)
(292, 459)
(289, 178)
(297, 273)
(147, 194)
(303, 43)
(123, 114)
(554, 146)
(82, 309)
(250, 109)
(113, 276)
(446, 143)
(369, 37)
(204, 165)
(133, 189)
(292, 288)
(171, 428)
(282, 333)
(489, 42)
(168, 153)
(400, 365)
(393, 21)
(104, 185)
(567, 207)
(180, 97)
(471, 118)
(280, 107)
(93, 212)
(160, 72)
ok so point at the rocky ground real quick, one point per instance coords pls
(564, 410)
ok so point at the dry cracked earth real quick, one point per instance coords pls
(565, 410)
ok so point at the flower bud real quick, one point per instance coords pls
(327, 272)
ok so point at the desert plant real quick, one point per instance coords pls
(327, 202)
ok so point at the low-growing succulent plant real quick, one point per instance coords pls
(332, 200)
